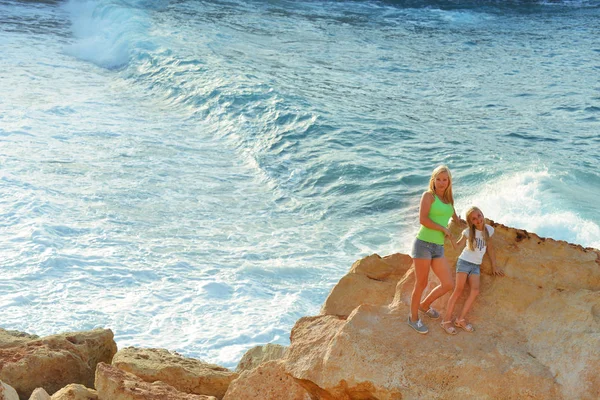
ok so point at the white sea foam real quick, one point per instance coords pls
(528, 200)
(107, 33)
(461, 17)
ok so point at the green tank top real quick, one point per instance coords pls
(440, 213)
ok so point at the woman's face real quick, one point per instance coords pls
(442, 181)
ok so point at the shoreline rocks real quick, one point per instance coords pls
(185, 374)
(537, 336)
(54, 361)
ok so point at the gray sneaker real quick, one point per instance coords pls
(418, 326)
(431, 313)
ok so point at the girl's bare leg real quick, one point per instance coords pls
(421, 267)
(461, 279)
(474, 283)
(442, 271)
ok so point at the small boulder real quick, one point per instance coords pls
(268, 381)
(260, 354)
(7, 392)
(113, 383)
(75, 392)
(55, 361)
(10, 338)
(371, 280)
(185, 374)
(39, 394)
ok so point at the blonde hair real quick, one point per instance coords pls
(471, 239)
(447, 196)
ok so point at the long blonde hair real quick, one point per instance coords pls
(484, 234)
(447, 196)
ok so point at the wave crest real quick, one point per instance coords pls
(107, 33)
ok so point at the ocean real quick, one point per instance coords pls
(197, 175)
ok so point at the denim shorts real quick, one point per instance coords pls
(467, 267)
(426, 250)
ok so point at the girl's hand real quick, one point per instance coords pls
(497, 271)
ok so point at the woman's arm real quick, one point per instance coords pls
(492, 253)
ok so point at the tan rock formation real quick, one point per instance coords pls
(185, 374)
(55, 361)
(7, 392)
(371, 280)
(75, 392)
(538, 330)
(374, 354)
(39, 394)
(260, 354)
(13, 338)
(268, 381)
(113, 383)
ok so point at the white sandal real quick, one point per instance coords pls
(462, 323)
(450, 330)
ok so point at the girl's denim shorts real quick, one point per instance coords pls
(467, 267)
(426, 250)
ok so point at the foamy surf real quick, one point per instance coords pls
(529, 200)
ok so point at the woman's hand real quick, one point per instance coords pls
(497, 271)
(448, 234)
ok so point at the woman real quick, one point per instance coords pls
(436, 208)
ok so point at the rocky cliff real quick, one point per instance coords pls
(537, 336)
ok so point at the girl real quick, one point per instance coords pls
(477, 236)
(436, 208)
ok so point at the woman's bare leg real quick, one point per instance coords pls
(421, 267)
(442, 271)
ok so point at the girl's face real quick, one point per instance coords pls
(476, 218)
(442, 181)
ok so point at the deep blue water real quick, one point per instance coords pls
(197, 175)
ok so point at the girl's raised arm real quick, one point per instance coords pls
(457, 219)
(461, 242)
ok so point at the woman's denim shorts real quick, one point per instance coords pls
(426, 250)
(467, 267)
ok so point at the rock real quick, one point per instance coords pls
(113, 383)
(371, 280)
(259, 354)
(55, 361)
(39, 394)
(12, 338)
(185, 374)
(7, 392)
(537, 330)
(268, 381)
(374, 354)
(75, 392)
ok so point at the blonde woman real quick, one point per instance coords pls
(477, 237)
(435, 211)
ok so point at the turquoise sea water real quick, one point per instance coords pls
(197, 175)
